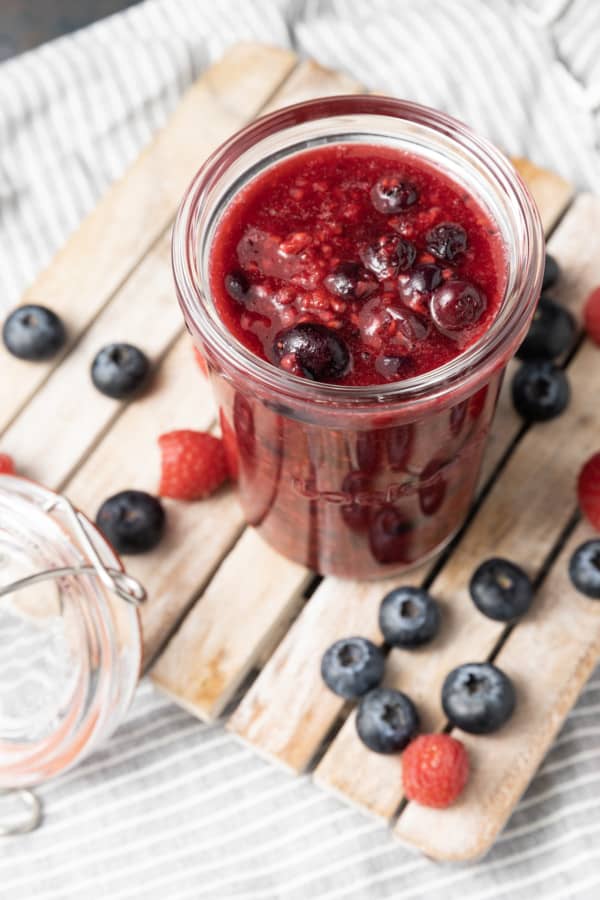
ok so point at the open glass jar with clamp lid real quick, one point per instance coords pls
(70, 643)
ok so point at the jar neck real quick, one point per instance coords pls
(442, 141)
(75, 642)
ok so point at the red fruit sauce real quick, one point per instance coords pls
(317, 266)
(337, 236)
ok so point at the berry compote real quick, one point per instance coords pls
(357, 265)
(357, 272)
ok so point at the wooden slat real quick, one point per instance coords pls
(288, 711)
(68, 410)
(205, 662)
(243, 611)
(258, 715)
(520, 519)
(128, 457)
(138, 208)
(549, 656)
(551, 192)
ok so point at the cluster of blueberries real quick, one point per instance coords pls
(476, 697)
(540, 389)
(36, 333)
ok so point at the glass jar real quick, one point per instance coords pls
(358, 481)
(70, 638)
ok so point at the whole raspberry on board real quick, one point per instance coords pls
(193, 464)
(435, 769)
(588, 490)
(591, 315)
(7, 466)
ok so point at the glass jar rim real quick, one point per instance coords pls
(459, 376)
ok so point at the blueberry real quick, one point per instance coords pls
(457, 306)
(237, 285)
(408, 616)
(391, 194)
(584, 569)
(540, 391)
(551, 272)
(388, 256)
(501, 590)
(318, 350)
(133, 521)
(386, 720)
(478, 697)
(119, 370)
(352, 666)
(422, 280)
(349, 280)
(551, 332)
(446, 241)
(33, 332)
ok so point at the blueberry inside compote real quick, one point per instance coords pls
(319, 352)
(416, 286)
(391, 194)
(389, 255)
(237, 285)
(446, 241)
(456, 307)
(350, 280)
(336, 263)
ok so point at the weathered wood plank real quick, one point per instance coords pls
(287, 712)
(551, 192)
(138, 208)
(68, 410)
(242, 612)
(520, 519)
(128, 457)
(549, 656)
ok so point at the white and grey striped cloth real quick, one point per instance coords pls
(172, 808)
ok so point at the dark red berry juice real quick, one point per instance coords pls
(356, 265)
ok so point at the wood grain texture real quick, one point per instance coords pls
(68, 410)
(551, 192)
(519, 520)
(128, 457)
(241, 615)
(549, 657)
(138, 208)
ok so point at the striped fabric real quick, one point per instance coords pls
(172, 808)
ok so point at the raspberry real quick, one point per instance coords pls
(201, 361)
(435, 769)
(588, 490)
(7, 466)
(193, 464)
(591, 315)
(230, 446)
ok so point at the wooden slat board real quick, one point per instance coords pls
(232, 625)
